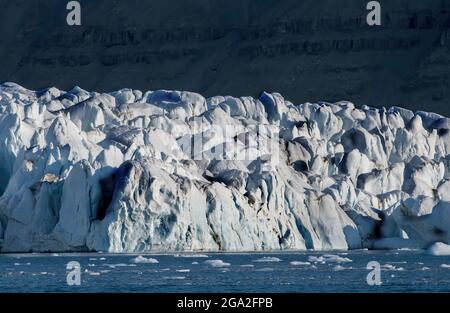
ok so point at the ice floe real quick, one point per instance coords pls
(267, 259)
(217, 263)
(439, 249)
(144, 260)
(328, 258)
(299, 263)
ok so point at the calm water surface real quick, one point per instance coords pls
(402, 271)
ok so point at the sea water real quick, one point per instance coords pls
(401, 271)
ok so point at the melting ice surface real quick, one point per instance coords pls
(401, 271)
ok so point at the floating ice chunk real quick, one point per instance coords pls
(445, 265)
(391, 267)
(174, 277)
(316, 259)
(299, 263)
(22, 264)
(340, 268)
(328, 258)
(217, 263)
(119, 265)
(184, 270)
(439, 249)
(187, 255)
(143, 260)
(194, 263)
(268, 259)
(247, 265)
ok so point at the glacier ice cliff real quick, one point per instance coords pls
(84, 171)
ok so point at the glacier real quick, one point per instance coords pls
(117, 172)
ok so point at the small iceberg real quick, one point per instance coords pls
(187, 255)
(217, 263)
(439, 249)
(299, 263)
(328, 258)
(391, 267)
(174, 277)
(268, 259)
(142, 260)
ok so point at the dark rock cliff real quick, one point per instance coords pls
(307, 50)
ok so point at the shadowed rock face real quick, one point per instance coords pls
(306, 50)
